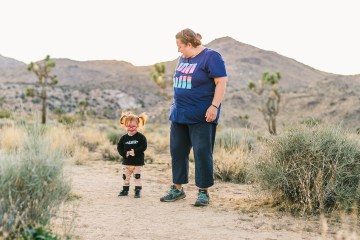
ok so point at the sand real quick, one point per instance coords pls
(98, 213)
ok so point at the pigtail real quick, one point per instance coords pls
(142, 119)
(123, 117)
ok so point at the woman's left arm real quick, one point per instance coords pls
(220, 87)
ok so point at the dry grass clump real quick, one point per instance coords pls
(109, 151)
(80, 155)
(312, 169)
(61, 137)
(11, 138)
(234, 138)
(231, 166)
(231, 154)
(158, 137)
(90, 137)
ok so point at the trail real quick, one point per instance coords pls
(101, 214)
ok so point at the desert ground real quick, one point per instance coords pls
(98, 213)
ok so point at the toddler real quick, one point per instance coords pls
(131, 147)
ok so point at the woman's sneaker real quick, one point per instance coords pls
(173, 194)
(202, 199)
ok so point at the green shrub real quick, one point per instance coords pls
(312, 169)
(113, 137)
(4, 114)
(67, 120)
(39, 233)
(310, 121)
(31, 185)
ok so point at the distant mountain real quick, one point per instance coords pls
(245, 62)
(6, 62)
(118, 85)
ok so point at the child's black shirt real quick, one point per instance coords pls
(137, 142)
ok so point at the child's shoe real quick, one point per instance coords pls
(124, 193)
(137, 193)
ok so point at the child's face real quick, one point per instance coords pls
(131, 127)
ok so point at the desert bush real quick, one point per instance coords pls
(4, 114)
(31, 185)
(312, 169)
(66, 120)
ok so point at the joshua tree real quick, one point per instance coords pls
(270, 102)
(83, 108)
(159, 78)
(42, 70)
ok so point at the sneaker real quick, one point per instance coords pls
(173, 195)
(137, 193)
(202, 199)
(124, 193)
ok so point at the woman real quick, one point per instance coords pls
(199, 87)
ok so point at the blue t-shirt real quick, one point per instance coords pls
(194, 86)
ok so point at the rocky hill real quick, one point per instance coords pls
(114, 86)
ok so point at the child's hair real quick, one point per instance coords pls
(129, 117)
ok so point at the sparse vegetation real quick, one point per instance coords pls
(299, 165)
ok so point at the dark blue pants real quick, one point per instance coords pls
(201, 137)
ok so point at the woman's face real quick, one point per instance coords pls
(185, 50)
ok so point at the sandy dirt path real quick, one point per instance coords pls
(101, 214)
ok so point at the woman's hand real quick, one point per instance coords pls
(211, 113)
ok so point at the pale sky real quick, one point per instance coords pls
(323, 34)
